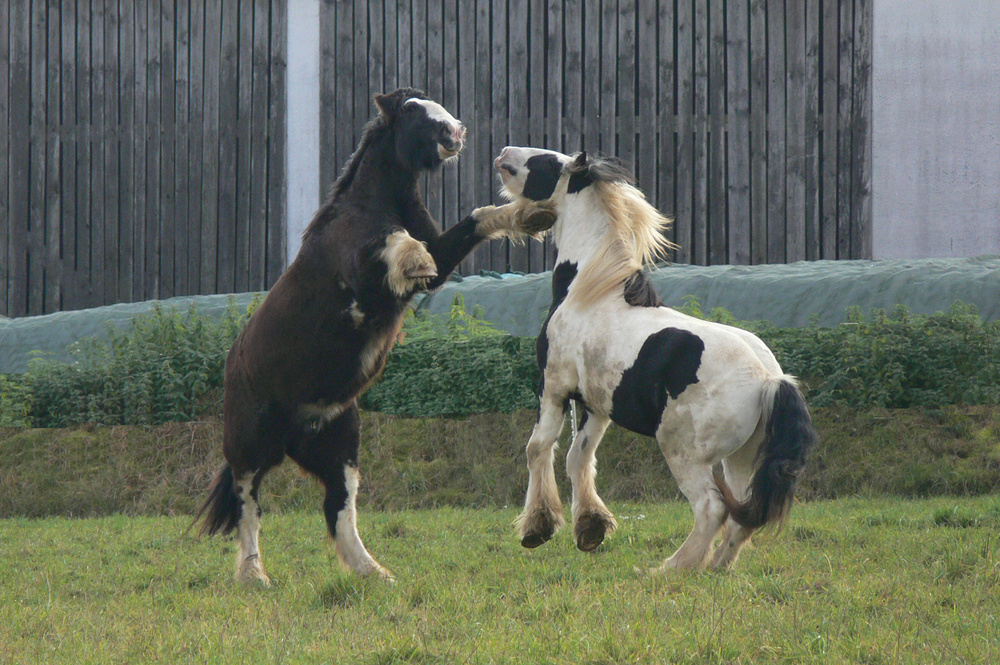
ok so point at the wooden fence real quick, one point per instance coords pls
(748, 121)
(143, 150)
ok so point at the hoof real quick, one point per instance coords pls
(590, 532)
(251, 572)
(533, 540)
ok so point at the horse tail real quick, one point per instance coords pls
(789, 437)
(222, 507)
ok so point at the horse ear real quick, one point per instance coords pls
(579, 163)
(386, 104)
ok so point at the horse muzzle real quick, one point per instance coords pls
(451, 141)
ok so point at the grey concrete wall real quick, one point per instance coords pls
(936, 128)
(302, 143)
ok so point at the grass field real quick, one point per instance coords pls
(851, 580)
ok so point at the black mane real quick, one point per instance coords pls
(376, 128)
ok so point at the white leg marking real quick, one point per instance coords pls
(581, 466)
(543, 511)
(348, 543)
(410, 264)
(248, 564)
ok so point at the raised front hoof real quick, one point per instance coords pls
(533, 540)
(590, 531)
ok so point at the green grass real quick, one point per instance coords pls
(851, 580)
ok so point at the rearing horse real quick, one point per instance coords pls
(323, 332)
(707, 392)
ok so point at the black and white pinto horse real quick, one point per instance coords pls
(323, 332)
(707, 392)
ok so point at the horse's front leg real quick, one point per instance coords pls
(487, 223)
(543, 513)
(409, 266)
(591, 518)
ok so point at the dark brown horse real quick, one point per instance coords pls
(322, 335)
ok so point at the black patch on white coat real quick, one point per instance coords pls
(562, 277)
(543, 176)
(667, 364)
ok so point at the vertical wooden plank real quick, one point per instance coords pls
(647, 100)
(626, 109)
(127, 291)
(666, 144)
(499, 110)
(209, 272)
(168, 118)
(20, 158)
(718, 217)
(554, 67)
(738, 145)
(184, 253)
(683, 223)
(329, 167)
(390, 79)
(229, 100)
(776, 124)
(67, 173)
(700, 212)
(845, 156)
(110, 142)
(487, 143)
(141, 288)
(53, 162)
(861, 223)
(83, 283)
(256, 280)
(376, 53)
(572, 115)
(608, 27)
(591, 76)
(5, 276)
(277, 184)
(795, 131)
(517, 128)
(244, 144)
(36, 178)
(404, 36)
(361, 106)
(344, 106)
(812, 130)
(99, 152)
(195, 123)
(828, 146)
(758, 132)
(418, 42)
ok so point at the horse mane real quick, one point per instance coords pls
(635, 238)
(373, 129)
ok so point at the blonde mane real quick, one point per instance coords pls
(635, 239)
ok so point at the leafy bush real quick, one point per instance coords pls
(896, 360)
(166, 366)
(169, 366)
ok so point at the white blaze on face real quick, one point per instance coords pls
(437, 112)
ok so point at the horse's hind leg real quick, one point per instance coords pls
(696, 482)
(253, 445)
(331, 454)
(591, 518)
(738, 470)
(543, 512)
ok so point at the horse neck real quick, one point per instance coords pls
(580, 229)
(380, 178)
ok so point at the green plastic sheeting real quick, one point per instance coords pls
(787, 295)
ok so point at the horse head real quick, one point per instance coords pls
(426, 135)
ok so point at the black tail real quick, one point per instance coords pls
(788, 439)
(222, 507)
